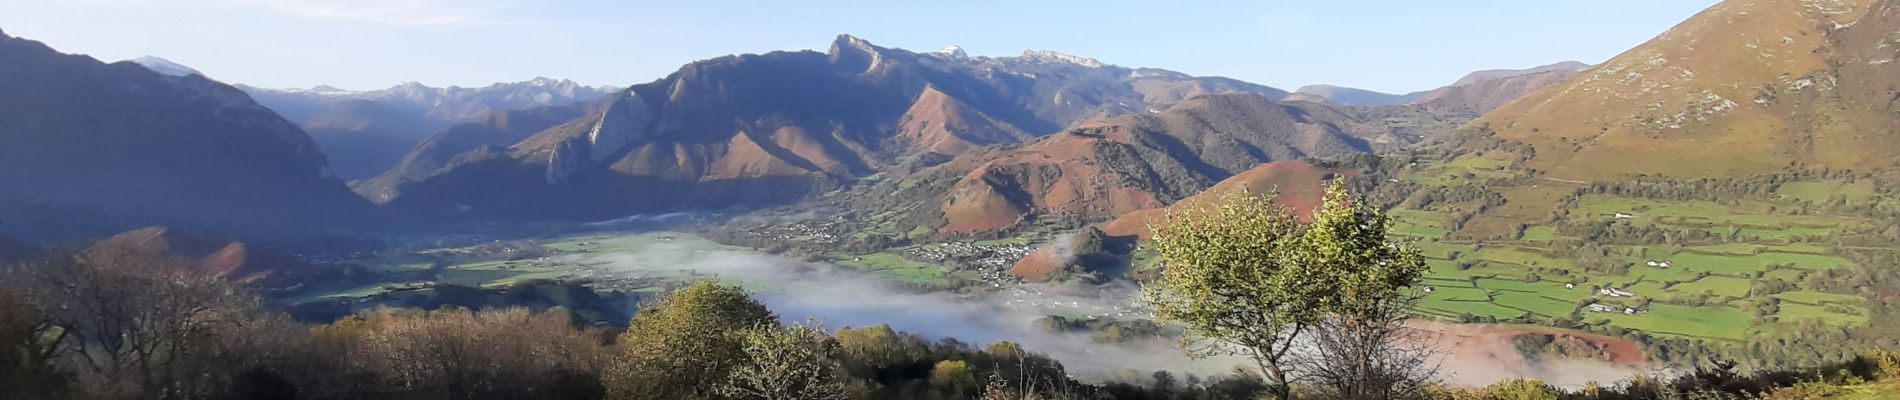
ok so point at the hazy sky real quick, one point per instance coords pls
(1386, 45)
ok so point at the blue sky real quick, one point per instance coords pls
(1385, 45)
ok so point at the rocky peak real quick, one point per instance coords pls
(856, 53)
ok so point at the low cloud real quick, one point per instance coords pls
(839, 297)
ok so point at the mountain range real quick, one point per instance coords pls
(773, 128)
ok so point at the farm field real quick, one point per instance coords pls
(1489, 270)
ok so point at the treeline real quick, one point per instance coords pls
(110, 326)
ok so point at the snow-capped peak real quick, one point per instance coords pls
(165, 67)
(954, 52)
(1052, 56)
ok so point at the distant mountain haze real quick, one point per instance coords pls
(1470, 82)
(89, 148)
(1346, 96)
(1492, 74)
(365, 133)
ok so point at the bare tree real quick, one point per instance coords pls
(1372, 355)
(136, 323)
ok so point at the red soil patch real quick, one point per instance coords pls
(1481, 354)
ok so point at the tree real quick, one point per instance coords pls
(140, 323)
(508, 353)
(1362, 348)
(787, 363)
(1244, 278)
(685, 345)
(29, 344)
(1229, 279)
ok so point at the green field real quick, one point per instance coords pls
(1823, 190)
(895, 267)
(1509, 276)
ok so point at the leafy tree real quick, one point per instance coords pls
(1520, 389)
(787, 363)
(1363, 349)
(1230, 280)
(954, 375)
(1244, 278)
(685, 345)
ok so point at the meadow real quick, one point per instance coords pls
(1511, 264)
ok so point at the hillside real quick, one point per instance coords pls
(1108, 168)
(88, 148)
(1745, 87)
(364, 133)
(1346, 96)
(1725, 189)
(1297, 185)
(1104, 168)
(1472, 100)
(773, 128)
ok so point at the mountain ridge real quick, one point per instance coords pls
(776, 127)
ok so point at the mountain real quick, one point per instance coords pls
(364, 133)
(165, 67)
(773, 128)
(1745, 87)
(1471, 100)
(1478, 91)
(1432, 114)
(489, 134)
(1346, 96)
(1495, 74)
(89, 148)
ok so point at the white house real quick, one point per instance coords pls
(1624, 216)
(1614, 292)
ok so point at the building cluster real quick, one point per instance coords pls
(1607, 308)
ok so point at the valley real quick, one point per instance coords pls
(1711, 213)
